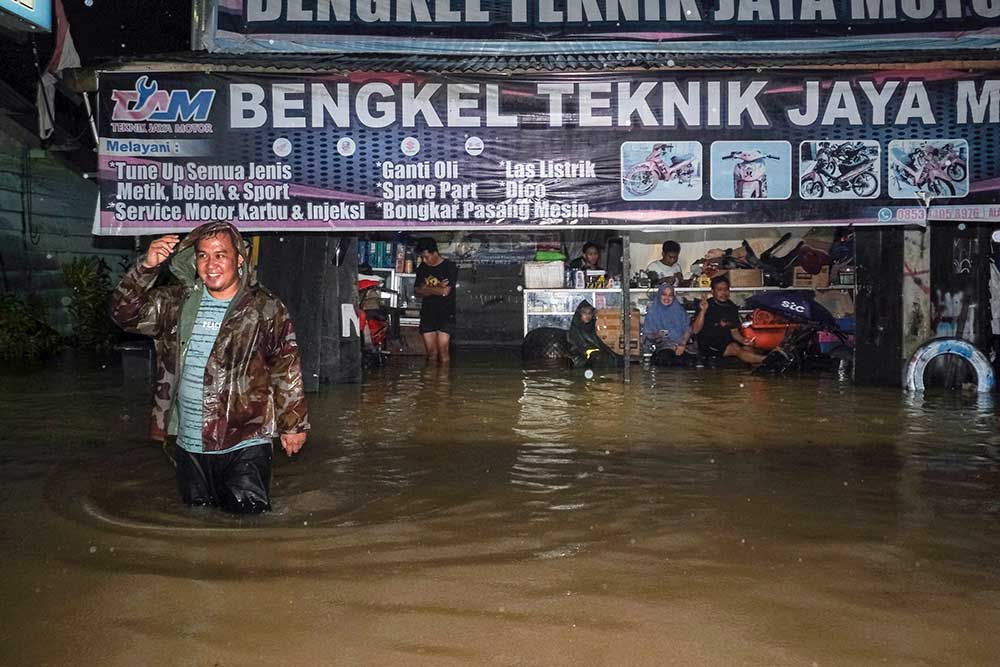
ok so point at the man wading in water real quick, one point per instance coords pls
(228, 377)
(435, 285)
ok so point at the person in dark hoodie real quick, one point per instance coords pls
(586, 348)
(228, 372)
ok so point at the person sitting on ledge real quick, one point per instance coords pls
(586, 349)
(666, 329)
(717, 326)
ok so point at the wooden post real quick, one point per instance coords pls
(626, 309)
(878, 350)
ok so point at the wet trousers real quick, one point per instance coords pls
(238, 482)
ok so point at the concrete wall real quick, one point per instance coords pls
(46, 212)
(916, 289)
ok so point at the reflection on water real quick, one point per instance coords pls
(691, 517)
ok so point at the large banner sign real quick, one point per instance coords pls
(310, 22)
(387, 150)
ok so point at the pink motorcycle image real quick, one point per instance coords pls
(930, 169)
(642, 177)
(750, 173)
(836, 171)
(948, 156)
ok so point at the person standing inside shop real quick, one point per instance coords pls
(666, 269)
(435, 284)
(589, 259)
(717, 326)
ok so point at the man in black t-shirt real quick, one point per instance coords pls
(435, 285)
(717, 326)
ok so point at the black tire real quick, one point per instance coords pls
(811, 189)
(640, 180)
(864, 184)
(957, 172)
(940, 187)
(545, 344)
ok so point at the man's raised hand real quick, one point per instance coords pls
(160, 250)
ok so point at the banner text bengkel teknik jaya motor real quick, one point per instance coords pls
(694, 104)
(384, 150)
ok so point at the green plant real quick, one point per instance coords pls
(24, 334)
(89, 307)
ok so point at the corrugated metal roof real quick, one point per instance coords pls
(589, 62)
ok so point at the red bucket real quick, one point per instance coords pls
(767, 330)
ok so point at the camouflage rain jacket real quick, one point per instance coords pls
(253, 380)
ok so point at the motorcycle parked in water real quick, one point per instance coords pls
(375, 320)
(642, 178)
(838, 170)
(750, 173)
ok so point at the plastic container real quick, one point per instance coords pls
(544, 275)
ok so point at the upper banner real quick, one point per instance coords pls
(417, 26)
(388, 150)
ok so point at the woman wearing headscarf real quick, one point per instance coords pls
(585, 347)
(667, 327)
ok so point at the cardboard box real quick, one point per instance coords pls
(806, 280)
(746, 278)
(544, 275)
(609, 328)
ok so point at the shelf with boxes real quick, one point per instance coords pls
(799, 279)
(555, 307)
(408, 302)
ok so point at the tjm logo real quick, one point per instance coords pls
(148, 102)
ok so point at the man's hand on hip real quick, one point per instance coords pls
(292, 442)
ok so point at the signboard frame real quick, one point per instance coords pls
(164, 118)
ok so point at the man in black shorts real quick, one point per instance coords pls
(717, 326)
(435, 285)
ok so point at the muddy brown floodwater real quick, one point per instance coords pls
(491, 515)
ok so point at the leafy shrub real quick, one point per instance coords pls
(24, 334)
(89, 308)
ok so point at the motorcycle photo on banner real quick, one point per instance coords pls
(750, 162)
(839, 169)
(936, 167)
(664, 172)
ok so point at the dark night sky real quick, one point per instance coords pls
(105, 29)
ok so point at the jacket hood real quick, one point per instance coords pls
(183, 264)
(577, 321)
(583, 337)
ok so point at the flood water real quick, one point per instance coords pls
(486, 514)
